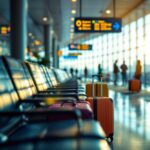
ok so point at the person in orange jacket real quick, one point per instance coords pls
(138, 70)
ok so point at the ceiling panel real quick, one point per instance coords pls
(123, 7)
(90, 8)
(4, 12)
(60, 12)
(94, 8)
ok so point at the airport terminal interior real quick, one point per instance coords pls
(67, 66)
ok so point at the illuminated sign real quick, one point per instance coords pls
(75, 54)
(59, 53)
(37, 42)
(83, 47)
(94, 25)
(70, 57)
(4, 29)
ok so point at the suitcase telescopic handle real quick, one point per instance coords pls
(93, 77)
(101, 80)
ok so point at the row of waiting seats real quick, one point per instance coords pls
(42, 108)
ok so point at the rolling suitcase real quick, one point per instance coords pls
(100, 89)
(134, 85)
(103, 112)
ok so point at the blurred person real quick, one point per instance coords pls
(116, 70)
(76, 71)
(124, 73)
(138, 70)
(85, 73)
(100, 71)
(65, 69)
(71, 71)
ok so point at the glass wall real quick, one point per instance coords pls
(131, 44)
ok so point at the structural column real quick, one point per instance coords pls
(18, 10)
(48, 42)
(58, 57)
(54, 50)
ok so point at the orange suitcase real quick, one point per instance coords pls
(100, 89)
(103, 112)
(134, 85)
(89, 89)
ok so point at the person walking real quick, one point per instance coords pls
(124, 73)
(116, 70)
(72, 71)
(85, 73)
(100, 72)
(138, 70)
(76, 71)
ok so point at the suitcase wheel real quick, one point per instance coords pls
(110, 138)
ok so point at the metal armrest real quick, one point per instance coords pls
(75, 113)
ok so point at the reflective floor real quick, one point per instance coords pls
(132, 121)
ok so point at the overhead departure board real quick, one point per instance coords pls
(83, 47)
(4, 30)
(94, 25)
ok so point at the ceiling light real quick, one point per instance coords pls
(37, 42)
(72, 19)
(71, 37)
(74, 0)
(30, 34)
(71, 30)
(72, 26)
(45, 19)
(108, 11)
(71, 34)
(73, 11)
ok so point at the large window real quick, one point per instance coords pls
(131, 44)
